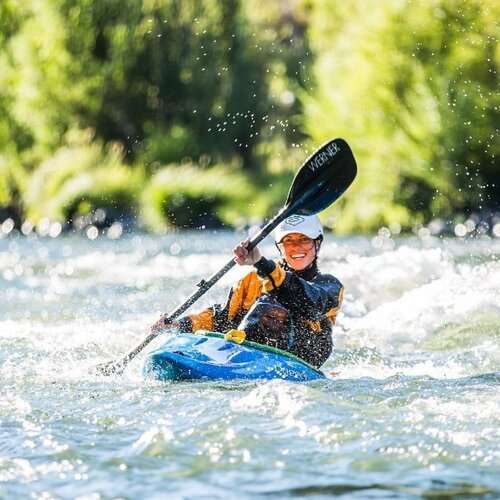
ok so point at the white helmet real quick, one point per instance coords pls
(309, 225)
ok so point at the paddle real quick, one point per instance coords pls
(321, 180)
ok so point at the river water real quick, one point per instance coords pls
(413, 411)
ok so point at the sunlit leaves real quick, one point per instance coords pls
(412, 86)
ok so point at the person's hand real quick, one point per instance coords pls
(243, 257)
(163, 324)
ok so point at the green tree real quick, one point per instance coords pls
(174, 79)
(11, 173)
(168, 79)
(412, 87)
(208, 80)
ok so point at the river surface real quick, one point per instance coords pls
(414, 410)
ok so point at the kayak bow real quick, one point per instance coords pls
(211, 357)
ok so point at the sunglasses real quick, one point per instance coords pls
(304, 242)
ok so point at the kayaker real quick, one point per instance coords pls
(286, 303)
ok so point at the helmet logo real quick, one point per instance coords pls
(294, 220)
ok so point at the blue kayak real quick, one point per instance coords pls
(210, 357)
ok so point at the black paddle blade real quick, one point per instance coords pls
(323, 178)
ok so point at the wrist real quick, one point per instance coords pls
(264, 267)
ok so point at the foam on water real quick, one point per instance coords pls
(412, 408)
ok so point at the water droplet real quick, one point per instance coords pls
(7, 226)
(92, 232)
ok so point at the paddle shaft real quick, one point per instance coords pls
(205, 285)
(322, 179)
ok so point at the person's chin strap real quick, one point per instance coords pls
(317, 242)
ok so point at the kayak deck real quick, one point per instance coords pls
(211, 357)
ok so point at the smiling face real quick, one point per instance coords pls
(298, 250)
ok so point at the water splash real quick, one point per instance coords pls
(411, 411)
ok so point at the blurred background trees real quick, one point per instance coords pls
(197, 113)
(414, 85)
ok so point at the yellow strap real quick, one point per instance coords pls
(236, 336)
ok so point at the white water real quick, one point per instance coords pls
(413, 410)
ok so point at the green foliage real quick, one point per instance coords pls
(80, 177)
(190, 196)
(12, 180)
(168, 146)
(156, 68)
(42, 87)
(412, 88)
(9, 128)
